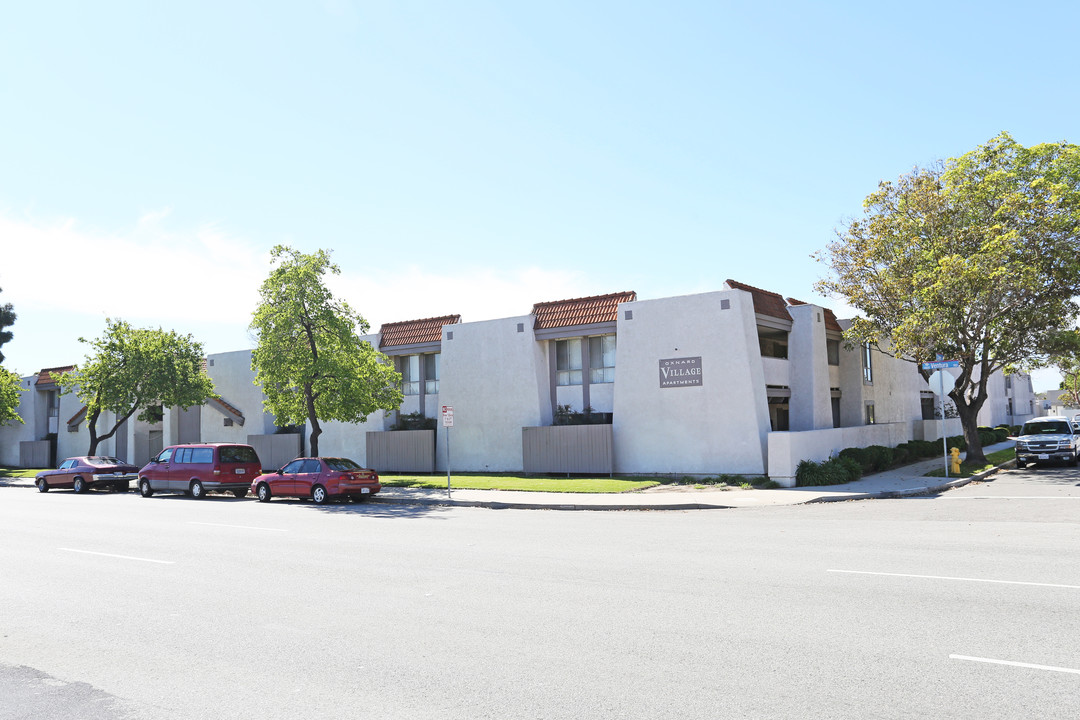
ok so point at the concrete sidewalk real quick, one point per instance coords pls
(900, 482)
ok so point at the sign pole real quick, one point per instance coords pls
(447, 423)
(944, 442)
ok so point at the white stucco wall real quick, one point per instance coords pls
(810, 404)
(13, 433)
(718, 427)
(496, 380)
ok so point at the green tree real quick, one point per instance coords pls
(1065, 358)
(975, 258)
(310, 361)
(10, 388)
(7, 319)
(137, 370)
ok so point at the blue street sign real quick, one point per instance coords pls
(940, 364)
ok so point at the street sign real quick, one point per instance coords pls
(942, 382)
(448, 416)
(940, 364)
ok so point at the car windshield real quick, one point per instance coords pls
(341, 464)
(99, 460)
(1046, 428)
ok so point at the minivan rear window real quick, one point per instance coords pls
(238, 454)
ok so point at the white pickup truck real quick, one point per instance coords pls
(1045, 439)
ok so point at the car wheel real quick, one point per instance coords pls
(318, 494)
(144, 488)
(263, 492)
(240, 493)
(1020, 465)
(197, 490)
(42, 486)
(78, 485)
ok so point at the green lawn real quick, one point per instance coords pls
(511, 482)
(19, 472)
(968, 469)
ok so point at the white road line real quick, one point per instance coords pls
(122, 557)
(238, 527)
(1015, 664)
(962, 579)
(1011, 497)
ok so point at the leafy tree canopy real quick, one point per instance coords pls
(975, 259)
(310, 360)
(135, 370)
(7, 319)
(10, 388)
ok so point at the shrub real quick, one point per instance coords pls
(860, 456)
(957, 441)
(901, 455)
(809, 474)
(880, 457)
(414, 421)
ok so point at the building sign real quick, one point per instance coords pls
(680, 372)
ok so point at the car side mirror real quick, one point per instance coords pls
(281, 471)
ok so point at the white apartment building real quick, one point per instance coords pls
(737, 381)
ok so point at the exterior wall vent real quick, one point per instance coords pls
(521, 327)
(629, 315)
(725, 304)
(449, 334)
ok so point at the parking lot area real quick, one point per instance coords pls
(958, 605)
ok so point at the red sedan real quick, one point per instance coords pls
(321, 479)
(83, 473)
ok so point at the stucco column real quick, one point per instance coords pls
(811, 400)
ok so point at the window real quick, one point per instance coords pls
(568, 362)
(602, 359)
(832, 347)
(431, 373)
(929, 409)
(410, 374)
(773, 343)
(836, 412)
(1008, 383)
(867, 366)
(870, 413)
(67, 464)
(293, 467)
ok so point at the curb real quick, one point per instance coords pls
(499, 505)
(916, 491)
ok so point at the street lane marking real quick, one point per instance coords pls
(239, 527)
(962, 579)
(122, 557)
(1015, 664)
(1011, 497)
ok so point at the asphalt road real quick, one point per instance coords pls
(963, 605)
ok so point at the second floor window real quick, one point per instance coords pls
(773, 343)
(832, 347)
(602, 359)
(568, 362)
(431, 373)
(410, 374)
(868, 365)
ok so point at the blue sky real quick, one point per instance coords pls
(475, 157)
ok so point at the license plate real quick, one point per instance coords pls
(240, 471)
(1044, 457)
(364, 491)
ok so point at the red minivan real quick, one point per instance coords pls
(199, 468)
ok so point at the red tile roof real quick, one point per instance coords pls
(77, 417)
(765, 302)
(411, 332)
(231, 408)
(580, 311)
(49, 375)
(831, 323)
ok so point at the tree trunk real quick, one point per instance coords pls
(91, 426)
(316, 429)
(969, 420)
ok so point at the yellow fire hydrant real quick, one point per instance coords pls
(954, 461)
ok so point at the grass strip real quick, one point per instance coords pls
(526, 484)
